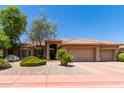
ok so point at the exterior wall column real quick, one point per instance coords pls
(115, 54)
(20, 53)
(44, 51)
(97, 53)
(47, 51)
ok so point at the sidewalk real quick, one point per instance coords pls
(63, 81)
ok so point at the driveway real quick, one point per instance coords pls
(78, 74)
(76, 68)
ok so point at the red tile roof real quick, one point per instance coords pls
(88, 41)
(79, 41)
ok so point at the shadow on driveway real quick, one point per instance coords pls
(67, 65)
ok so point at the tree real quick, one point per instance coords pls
(4, 41)
(13, 23)
(42, 29)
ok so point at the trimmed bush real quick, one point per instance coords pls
(31, 61)
(64, 57)
(4, 64)
(120, 57)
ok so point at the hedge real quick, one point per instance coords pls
(32, 61)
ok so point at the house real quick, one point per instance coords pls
(83, 50)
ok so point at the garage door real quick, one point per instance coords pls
(82, 55)
(106, 55)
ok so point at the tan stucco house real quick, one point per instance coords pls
(83, 50)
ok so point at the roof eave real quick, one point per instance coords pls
(92, 44)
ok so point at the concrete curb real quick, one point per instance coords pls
(63, 81)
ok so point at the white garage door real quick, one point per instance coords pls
(83, 54)
(106, 55)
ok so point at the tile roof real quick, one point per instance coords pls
(31, 43)
(87, 41)
(79, 41)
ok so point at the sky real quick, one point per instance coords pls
(104, 23)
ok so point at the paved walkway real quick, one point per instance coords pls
(63, 81)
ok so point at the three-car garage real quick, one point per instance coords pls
(89, 54)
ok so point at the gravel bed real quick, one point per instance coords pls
(76, 68)
(52, 68)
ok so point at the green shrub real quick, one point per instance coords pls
(32, 61)
(1, 59)
(60, 53)
(4, 64)
(120, 57)
(64, 57)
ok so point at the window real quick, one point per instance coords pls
(39, 52)
(24, 53)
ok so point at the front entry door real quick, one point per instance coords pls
(53, 48)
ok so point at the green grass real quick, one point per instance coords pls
(32, 61)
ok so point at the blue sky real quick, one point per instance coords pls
(92, 22)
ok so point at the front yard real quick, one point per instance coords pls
(76, 68)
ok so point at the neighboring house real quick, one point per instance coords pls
(82, 49)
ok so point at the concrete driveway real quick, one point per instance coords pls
(76, 68)
(111, 68)
(78, 74)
